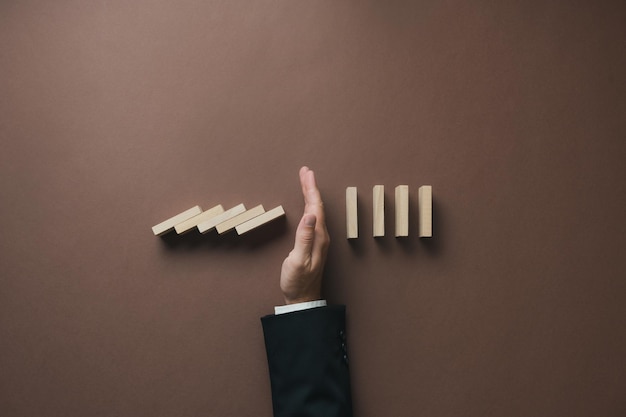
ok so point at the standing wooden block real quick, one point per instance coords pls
(208, 225)
(231, 223)
(352, 223)
(187, 225)
(425, 203)
(379, 210)
(169, 224)
(402, 210)
(264, 218)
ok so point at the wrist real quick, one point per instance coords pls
(302, 299)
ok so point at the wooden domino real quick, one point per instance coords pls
(210, 224)
(190, 224)
(264, 218)
(425, 207)
(402, 210)
(169, 224)
(378, 195)
(352, 223)
(231, 223)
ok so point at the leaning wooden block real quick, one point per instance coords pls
(379, 210)
(264, 218)
(231, 223)
(402, 210)
(425, 203)
(210, 224)
(187, 225)
(352, 223)
(169, 224)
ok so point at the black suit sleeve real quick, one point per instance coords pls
(308, 363)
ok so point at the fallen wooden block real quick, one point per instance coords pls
(231, 223)
(169, 224)
(190, 224)
(210, 224)
(264, 218)
(425, 207)
(402, 210)
(378, 195)
(352, 222)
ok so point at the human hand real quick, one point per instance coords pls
(301, 274)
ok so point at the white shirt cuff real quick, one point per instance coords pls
(290, 308)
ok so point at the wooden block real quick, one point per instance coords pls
(266, 217)
(379, 210)
(169, 224)
(231, 223)
(210, 224)
(402, 210)
(352, 222)
(190, 224)
(425, 203)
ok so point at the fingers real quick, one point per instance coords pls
(314, 205)
(305, 240)
(311, 236)
(312, 199)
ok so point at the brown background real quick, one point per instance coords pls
(118, 114)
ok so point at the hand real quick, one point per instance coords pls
(301, 275)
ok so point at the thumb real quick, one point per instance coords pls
(305, 236)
